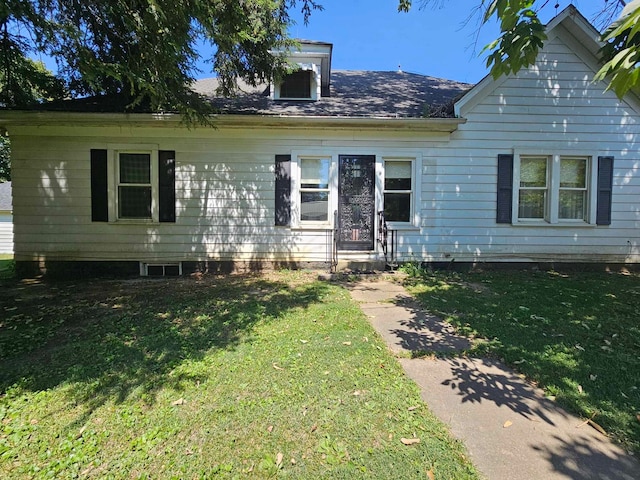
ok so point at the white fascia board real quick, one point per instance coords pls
(36, 119)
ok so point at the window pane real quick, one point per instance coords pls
(573, 172)
(296, 85)
(314, 206)
(531, 203)
(134, 202)
(397, 175)
(397, 207)
(135, 168)
(572, 204)
(533, 172)
(315, 173)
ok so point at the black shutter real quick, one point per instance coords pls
(167, 185)
(99, 189)
(283, 190)
(605, 190)
(505, 189)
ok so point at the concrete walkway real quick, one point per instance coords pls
(510, 429)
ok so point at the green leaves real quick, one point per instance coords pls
(144, 52)
(621, 52)
(522, 36)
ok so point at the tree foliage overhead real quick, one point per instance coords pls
(5, 158)
(145, 50)
(522, 35)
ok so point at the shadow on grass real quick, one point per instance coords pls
(110, 340)
(575, 334)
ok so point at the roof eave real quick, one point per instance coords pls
(13, 118)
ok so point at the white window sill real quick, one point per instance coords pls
(135, 221)
(313, 226)
(406, 227)
(563, 224)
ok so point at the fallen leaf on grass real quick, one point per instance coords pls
(346, 343)
(180, 401)
(597, 427)
(279, 458)
(314, 428)
(409, 441)
(415, 407)
(431, 475)
(86, 470)
(507, 424)
(277, 367)
(270, 428)
(304, 341)
(293, 461)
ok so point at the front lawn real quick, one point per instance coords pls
(577, 335)
(235, 377)
(6, 265)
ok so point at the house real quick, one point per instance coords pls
(537, 167)
(6, 219)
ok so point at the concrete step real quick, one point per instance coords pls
(361, 265)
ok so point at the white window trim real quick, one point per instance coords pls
(416, 194)
(333, 154)
(114, 151)
(296, 173)
(553, 187)
(315, 84)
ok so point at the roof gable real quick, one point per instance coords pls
(574, 30)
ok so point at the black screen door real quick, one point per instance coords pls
(356, 202)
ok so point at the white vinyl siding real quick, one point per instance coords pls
(6, 232)
(225, 196)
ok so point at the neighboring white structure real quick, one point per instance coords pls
(6, 218)
(541, 166)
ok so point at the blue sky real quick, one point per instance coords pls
(435, 41)
(372, 35)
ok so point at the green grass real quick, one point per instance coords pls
(6, 266)
(223, 377)
(577, 335)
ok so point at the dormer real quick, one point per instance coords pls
(312, 78)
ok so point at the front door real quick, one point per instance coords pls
(356, 202)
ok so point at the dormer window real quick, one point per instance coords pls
(310, 79)
(296, 85)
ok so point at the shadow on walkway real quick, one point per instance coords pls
(510, 429)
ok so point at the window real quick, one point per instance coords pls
(573, 188)
(532, 201)
(134, 185)
(296, 85)
(398, 190)
(314, 189)
(553, 188)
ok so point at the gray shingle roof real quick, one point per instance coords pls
(5, 196)
(353, 93)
